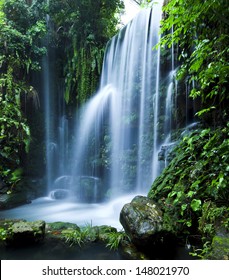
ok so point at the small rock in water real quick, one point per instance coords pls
(59, 194)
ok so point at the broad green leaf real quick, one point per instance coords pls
(196, 204)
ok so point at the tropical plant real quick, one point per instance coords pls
(21, 28)
(197, 174)
(81, 31)
(200, 29)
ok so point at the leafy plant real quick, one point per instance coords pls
(83, 29)
(22, 26)
(213, 217)
(198, 173)
(3, 234)
(203, 50)
(201, 253)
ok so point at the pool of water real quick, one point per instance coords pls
(57, 250)
(53, 210)
(53, 250)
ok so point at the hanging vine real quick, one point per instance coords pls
(82, 31)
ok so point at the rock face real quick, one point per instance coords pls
(25, 233)
(142, 221)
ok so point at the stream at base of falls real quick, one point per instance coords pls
(82, 214)
(67, 210)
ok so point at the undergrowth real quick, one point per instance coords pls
(194, 189)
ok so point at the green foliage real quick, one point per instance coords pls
(83, 29)
(145, 3)
(3, 234)
(5, 229)
(203, 252)
(213, 217)
(86, 234)
(21, 28)
(201, 31)
(196, 204)
(79, 236)
(114, 239)
(196, 178)
(213, 223)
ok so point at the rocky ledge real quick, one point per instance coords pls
(144, 236)
(23, 234)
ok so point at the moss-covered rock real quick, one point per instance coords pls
(60, 226)
(24, 233)
(143, 223)
(219, 248)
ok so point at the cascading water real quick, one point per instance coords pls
(118, 127)
(49, 145)
(169, 106)
(56, 123)
(118, 132)
(56, 126)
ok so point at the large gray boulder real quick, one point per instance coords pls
(142, 221)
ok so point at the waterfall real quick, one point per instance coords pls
(156, 105)
(56, 122)
(170, 104)
(169, 97)
(118, 132)
(109, 151)
(49, 146)
(118, 142)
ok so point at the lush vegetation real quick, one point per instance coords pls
(77, 33)
(110, 236)
(81, 31)
(193, 189)
(21, 26)
(200, 29)
(196, 179)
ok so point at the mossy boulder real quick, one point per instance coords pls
(220, 248)
(24, 233)
(60, 226)
(142, 221)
